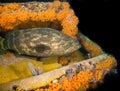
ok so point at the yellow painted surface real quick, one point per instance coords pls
(18, 68)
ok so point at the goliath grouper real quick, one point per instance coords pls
(39, 42)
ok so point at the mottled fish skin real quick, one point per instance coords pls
(40, 42)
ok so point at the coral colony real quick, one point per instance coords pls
(79, 70)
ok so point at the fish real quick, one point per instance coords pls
(39, 42)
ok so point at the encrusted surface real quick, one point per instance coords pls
(57, 15)
(77, 73)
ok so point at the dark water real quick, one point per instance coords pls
(98, 22)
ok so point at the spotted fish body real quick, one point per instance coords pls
(39, 42)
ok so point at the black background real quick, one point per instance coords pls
(99, 21)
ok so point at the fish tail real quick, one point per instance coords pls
(2, 48)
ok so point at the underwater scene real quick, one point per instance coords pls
(43, 49)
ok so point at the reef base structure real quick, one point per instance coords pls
(79, 75)
(86, 67)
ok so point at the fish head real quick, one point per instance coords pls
(71, 46)
(65, 46)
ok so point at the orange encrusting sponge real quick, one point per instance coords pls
(35, 14)
(82, 80)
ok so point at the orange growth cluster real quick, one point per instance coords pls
(36, 14)
(109, 63)
(93, 48)
(82, 80)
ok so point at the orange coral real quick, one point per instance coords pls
(7, 8)
(65, 5)
(107, 63)
(19, 16)
(56, 4)
(16, 16)
(93, 48)
(63, 60)
(80, 81)
(8, 55)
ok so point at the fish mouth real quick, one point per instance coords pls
(76, 45)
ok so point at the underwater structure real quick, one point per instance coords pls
(25, 24)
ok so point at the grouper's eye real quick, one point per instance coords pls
(42, 48)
